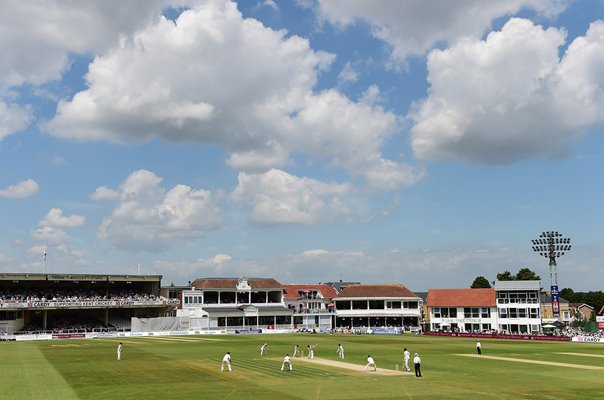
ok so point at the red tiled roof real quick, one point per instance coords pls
(368, 291)
(291, 291)
(461, 298)
(231, 283)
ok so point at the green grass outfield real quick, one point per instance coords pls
(188, 367)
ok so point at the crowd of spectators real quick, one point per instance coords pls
(572, 332)
(346, 330)
(302, 309)
(75, 294)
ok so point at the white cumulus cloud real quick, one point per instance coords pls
(220, 258)
(55, 218)
(37, 36)
(415, 26)
(277, 197)
(149, 217)
(215, 77)
(13, 118)
(509, 97)
(26, 188)
(104, 193)
(51, 232)
(51, 235)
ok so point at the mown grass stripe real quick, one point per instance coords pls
(526, 361)
(27, 374)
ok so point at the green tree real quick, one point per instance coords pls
(594, 299)
(506, 276)
(568, 294)
(526, 274)
(578, 320)
(480, 283)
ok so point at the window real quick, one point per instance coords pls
(503, 313)
(343, 305)
(444, 312)
(513, 313)
(485, 312)
(502, 297)
(211, 297)
(410, 304)
(522, 313)
(359, 304)
(513, 297)
(393, 304)
(534, 312)
(376, 304)
(471, 312)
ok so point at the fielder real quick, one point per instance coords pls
(286, 361)
(340, 352)
(226, 360)
(264, 349)
(119, 352)
(370, 362)
(478, 347)
(407, 357)
(296, 351)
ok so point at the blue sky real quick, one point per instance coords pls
(422, 143)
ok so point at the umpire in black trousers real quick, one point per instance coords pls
(418, 365)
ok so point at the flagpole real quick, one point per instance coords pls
(44, 261)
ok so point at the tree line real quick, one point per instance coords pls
(524, 274)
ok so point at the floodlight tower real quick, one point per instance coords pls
(552, 245)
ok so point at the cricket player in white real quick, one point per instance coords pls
(226, 360)
(119, 352)
(264, 349)
(296, 351)
(311, 351)
(407, 357)
(286, 361)
(340, 352)
(370, 362)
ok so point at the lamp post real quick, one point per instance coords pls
(552, 245)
